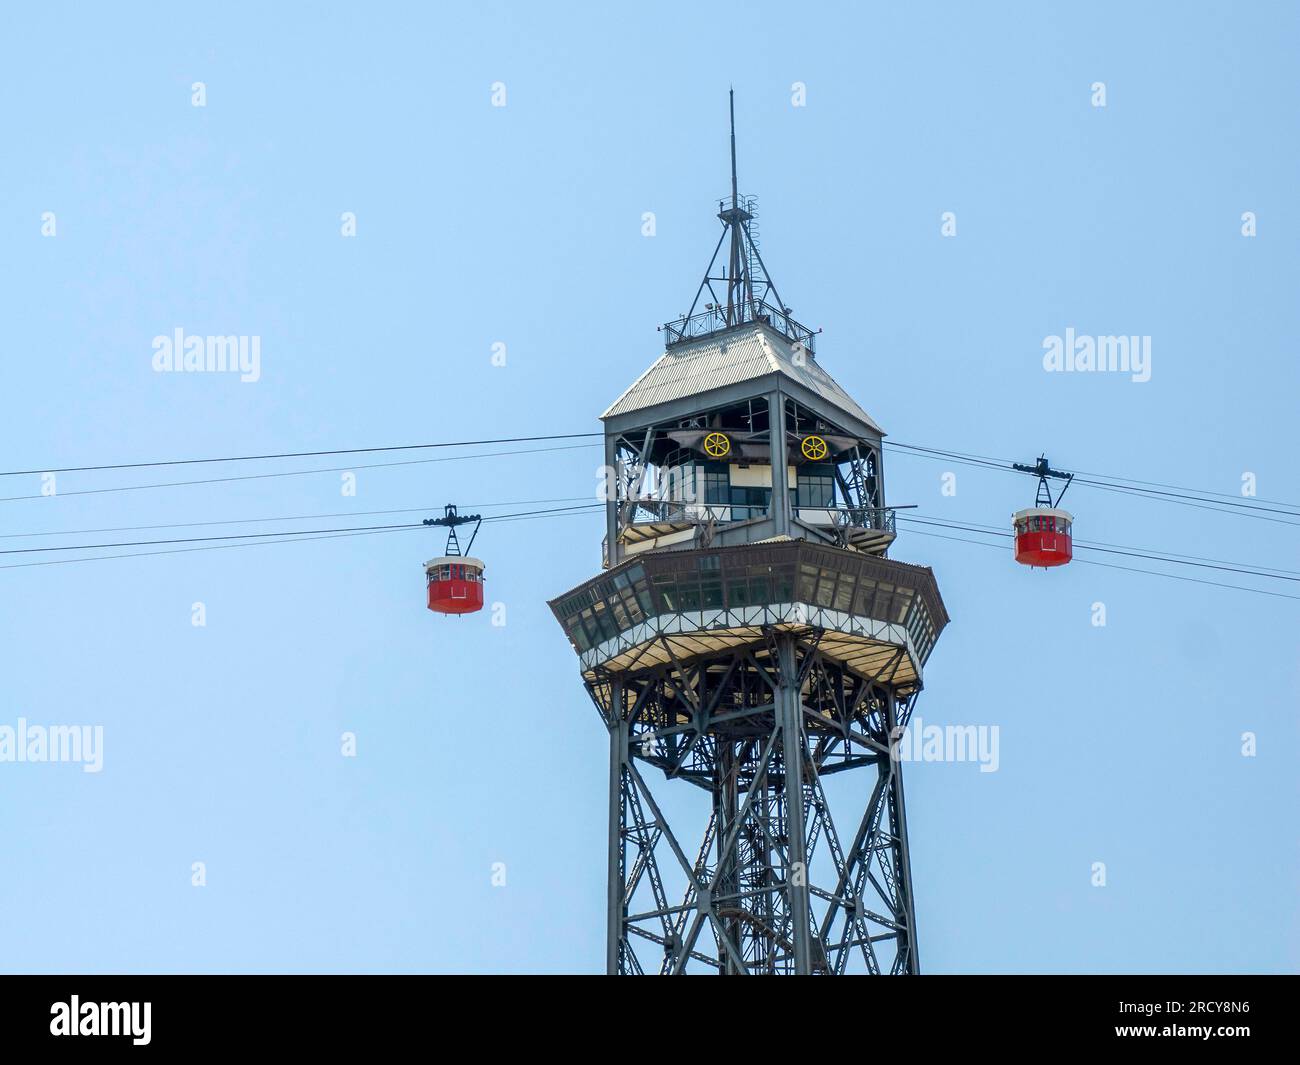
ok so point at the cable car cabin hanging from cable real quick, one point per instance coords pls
(455, 584)
(1043, 536)
(455, 580)
(1044, 532)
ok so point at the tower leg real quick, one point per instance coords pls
(726, 877)
(903, 859)
(790, 714)
(617, 840)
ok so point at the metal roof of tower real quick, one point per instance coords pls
(744, 334)
(695, 368)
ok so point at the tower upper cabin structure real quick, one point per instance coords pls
(749, 636)
(737, 434)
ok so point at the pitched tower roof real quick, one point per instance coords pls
(743, 336)
(738, 356)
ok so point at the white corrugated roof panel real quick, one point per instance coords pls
(814, 377)
(711, 363)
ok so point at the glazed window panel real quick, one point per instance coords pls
(633, 606)
(717, 485)
(865, 597)
(592, 625)
(749, 502)
(783, 584)
(884, 594)
(619, 611)
(605, 626)
(825, 587)
(807, 582)
(578, 634)
(737, 591)
(913, 620)
(921, 630)
(902, 603)
(588, 622)
(815, 487)
(925, 643)
(662, 587)
(844, 593)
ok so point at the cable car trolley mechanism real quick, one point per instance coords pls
(455, 580)
(1043, 532)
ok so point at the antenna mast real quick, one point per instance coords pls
(738, 283)
(751, 294)
(731, 99)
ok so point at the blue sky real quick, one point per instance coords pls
(522, 225)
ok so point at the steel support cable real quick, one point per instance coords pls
(988, 461)
(295, 454)
(1229, 568)
(570, 512)
(1170, 492)
(283, 517)
(257, 536)
(1099, 545)
(289, 539)
(1127, 569)
(295, 473)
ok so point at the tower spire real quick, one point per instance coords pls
(731, 99)
(750, 293)
(740, 289)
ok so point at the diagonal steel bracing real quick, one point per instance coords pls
(772, 886)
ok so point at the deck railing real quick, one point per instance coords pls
(716, 319)
(663, 511)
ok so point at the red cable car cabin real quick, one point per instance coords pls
(455, 584)
(1043, 536)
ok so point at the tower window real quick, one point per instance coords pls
(717, 482)
(753, 501)
(815, 486)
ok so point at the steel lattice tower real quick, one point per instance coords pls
(749, 637)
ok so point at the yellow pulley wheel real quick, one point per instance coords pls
(717, 445)
(814, 448)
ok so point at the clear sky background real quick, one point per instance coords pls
(522, 225)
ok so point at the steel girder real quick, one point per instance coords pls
(772, 885)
